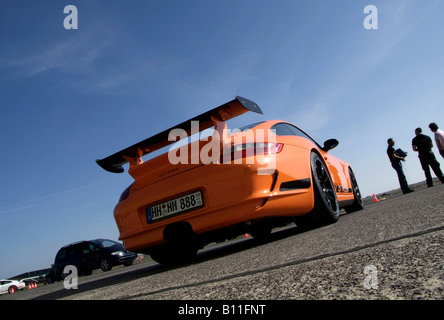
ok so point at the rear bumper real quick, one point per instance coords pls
(232, 194)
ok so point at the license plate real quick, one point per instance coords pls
(176, 206)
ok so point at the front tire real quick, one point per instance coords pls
(105, 265)
(357, 204)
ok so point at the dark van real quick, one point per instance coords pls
(90, 255)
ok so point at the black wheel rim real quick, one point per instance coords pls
(104, 265)
(355, 187)
(327, 188)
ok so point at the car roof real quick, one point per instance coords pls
(74, 243)
(83, 241)
(268, 124)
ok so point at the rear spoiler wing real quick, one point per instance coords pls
(215, 117)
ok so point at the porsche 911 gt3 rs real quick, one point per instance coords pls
(230, 183)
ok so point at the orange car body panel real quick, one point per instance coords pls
(231, 193)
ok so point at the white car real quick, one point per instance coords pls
(11, 286)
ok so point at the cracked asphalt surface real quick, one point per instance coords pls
(391, 250)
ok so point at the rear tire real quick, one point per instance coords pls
(181, 244)
(261, 231)
(326, 207)
(12, 289)
(173, 253)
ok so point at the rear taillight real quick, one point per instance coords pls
(249, 150)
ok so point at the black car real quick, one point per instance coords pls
(90, 255)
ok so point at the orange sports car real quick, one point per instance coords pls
(227, 183)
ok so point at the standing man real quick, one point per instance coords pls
(395, 160)
(439, 137)
(423, 145)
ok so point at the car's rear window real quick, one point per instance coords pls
(250, 126)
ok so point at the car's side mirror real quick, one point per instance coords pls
(330, 144)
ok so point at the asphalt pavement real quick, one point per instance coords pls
(391, 250)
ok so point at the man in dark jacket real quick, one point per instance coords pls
(395, 160)
(423, 145)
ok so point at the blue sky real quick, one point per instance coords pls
(134, 68)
